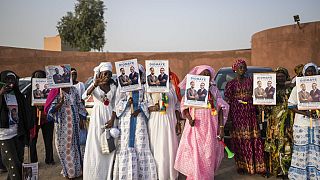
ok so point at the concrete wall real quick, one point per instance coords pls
(25, 61)
(52, 43)
(287, 46)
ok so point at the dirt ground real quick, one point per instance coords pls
(227, 168)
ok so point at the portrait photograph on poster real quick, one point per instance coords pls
(308, 93)
(40, 91)
(157, 76)
(264, 88)
(30, 171)
(197, 88)
(128, 75)
(59, 76)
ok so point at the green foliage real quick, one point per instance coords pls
(84, 29)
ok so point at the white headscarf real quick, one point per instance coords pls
(307, 66)
(104, 66)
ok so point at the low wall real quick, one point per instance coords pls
(25, 61)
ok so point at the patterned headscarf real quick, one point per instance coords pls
(307, 66)
(196, 71)
(284, 71)
(237, 63)
(298, 69)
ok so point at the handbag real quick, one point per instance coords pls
(107, 142)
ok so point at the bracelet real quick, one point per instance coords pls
(222, 126)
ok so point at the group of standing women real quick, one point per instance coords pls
(147, 147)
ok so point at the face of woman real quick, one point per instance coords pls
(281, 78)
(206, 72)
(242, 69)
(11, 80)
(39, 75)
(311, 71)
(106, 74)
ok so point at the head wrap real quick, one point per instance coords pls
(298, 69)
(196, 71)
(284, 71)
(307, 66)
(175, 82)
(237, 63)
(104, 66)
(52, 94)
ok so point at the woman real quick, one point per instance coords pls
(14, 124)
(40, 122)
(164, 111)
(200, 152)
(64, 107)
(247, 144)
(134, 159)
(97, 165)
(279, 129)
(306, 140)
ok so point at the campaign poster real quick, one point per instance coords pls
(59, 76)
(128, 75)
(264, 89)
(30, 171)
(197, 89)
(308, 93)
(157, 76)
(40, 91)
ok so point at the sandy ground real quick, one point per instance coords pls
(227, 170)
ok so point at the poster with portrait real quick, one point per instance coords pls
(197, 89)
(157, 76)
(59, 76)
(264, 89)
(128, 75)
(40, 91)
(308, 93)
(30, 171)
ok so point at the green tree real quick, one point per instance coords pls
(84, 29)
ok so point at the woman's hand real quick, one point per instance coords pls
(100, 80)
(82, 124)
(154, 108)
(136, 113)
(187, 114)
(109, 124)
(221, 133)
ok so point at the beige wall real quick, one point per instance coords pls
(287, 46)
(52, 43)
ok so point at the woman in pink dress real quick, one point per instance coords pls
(200, 153)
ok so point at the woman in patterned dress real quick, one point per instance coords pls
(64, 107)
(279, 130)
(200, 153)
(134, 159)
(246, 141)
(305, 163)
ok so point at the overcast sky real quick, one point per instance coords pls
(158, 25)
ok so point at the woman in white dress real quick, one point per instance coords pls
(98, 166)
(163, 138)
(134, 159)
(305, 162)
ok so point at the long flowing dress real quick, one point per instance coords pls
(163, 138)
(305, 163)
(279, 134)
(95, 164)
(67, 131)
(200, 153)
(134, 159)
(246, 140)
